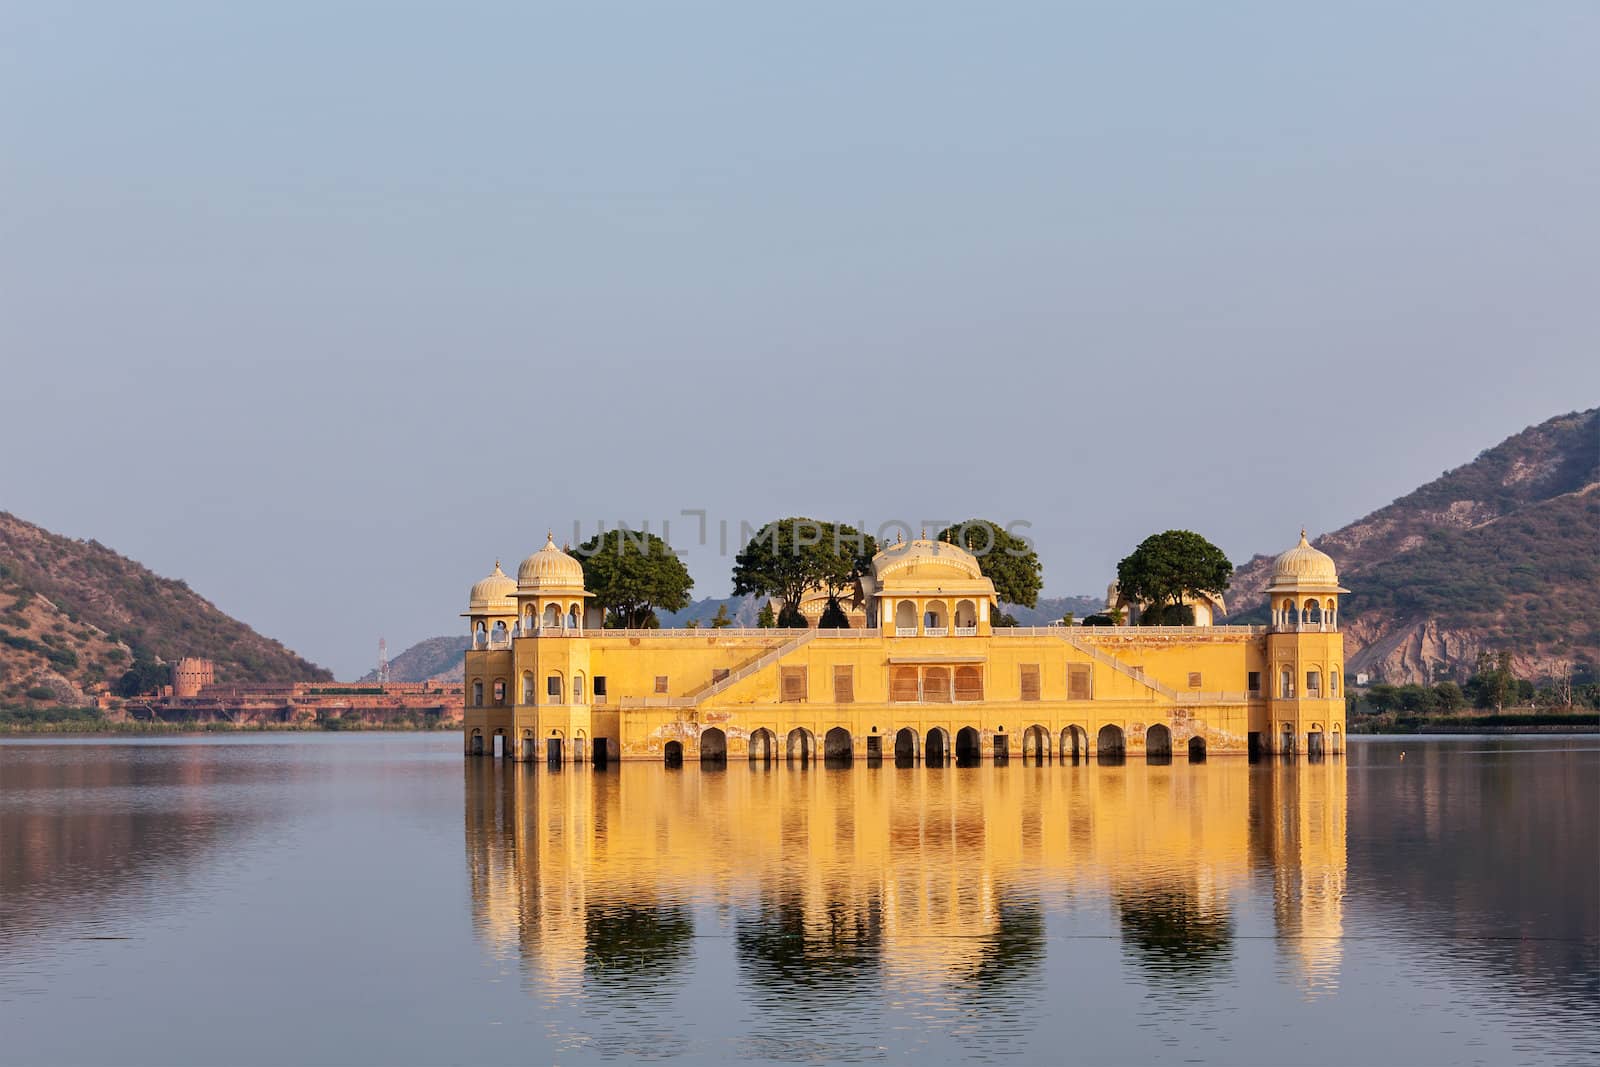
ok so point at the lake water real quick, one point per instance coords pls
(378, 899)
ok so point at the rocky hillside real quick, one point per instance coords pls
(435, 659)
(1500, 554)
(75, 613)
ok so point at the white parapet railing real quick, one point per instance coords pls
(936, 631)
(701, 632)
(905, 631)
(966, 631)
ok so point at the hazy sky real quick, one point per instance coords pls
(323, 307)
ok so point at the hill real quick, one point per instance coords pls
(75, 613)
(433, 658)
(1498, 554)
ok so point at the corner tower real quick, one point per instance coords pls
(1305, 654)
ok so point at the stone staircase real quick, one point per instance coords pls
(711, 689)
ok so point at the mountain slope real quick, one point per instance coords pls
(435, 657)
(73, 613)
(1498, 554)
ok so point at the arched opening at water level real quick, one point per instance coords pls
(1110, 746)
(763, 745)
(713, 746)
(905, 747)
(837, 747)
(968, 748)
(801, 746)
(1158, 744)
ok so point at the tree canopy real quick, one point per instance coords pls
(1167, 567)
(631, 574)
(787, 557)
(1007, 560)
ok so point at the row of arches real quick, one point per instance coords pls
(1288, 613)
(937, 747)
(935, 616)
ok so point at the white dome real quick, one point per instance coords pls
(493, 595)
(549, 569)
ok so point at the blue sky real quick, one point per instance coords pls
(324, 307)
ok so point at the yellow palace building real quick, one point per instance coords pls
(927, 677)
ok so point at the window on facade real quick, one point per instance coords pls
(844, 684)
(1194, 679)
(936, 685)
(1030, 681)
(552, 688)
(1285, 684)
(1254, 683)
(903, 685)
(599, 689)
(577, 689)
(477, 694)
(1313, 683)
(661, 683)
(499, 692)
(527, 689)
(1333, 683)
(1078, 685)
(792, 685)
(969, 683)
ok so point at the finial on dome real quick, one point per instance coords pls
(550, 538)
(1303, 540)
(924, 533)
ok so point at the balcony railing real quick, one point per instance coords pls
(936, 631)
(966, 631)
(905, 631)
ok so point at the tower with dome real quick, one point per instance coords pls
(922, 675)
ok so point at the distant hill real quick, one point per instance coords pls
(1500, 554)
(435, 658)
(1051, 609)
(73, 613)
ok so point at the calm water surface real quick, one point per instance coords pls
(376, 899)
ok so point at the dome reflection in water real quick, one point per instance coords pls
(926, 889)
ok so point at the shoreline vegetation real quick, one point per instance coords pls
(93, 721)
(1508, 722)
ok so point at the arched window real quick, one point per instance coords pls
(1286, 684)
(477, 692)
(572, 617)
(1313, 611)
(499, 692)
(552, 688)
(527, 687)
(1333, 682)
(552, 616)
(1313, 683)
(577, 688)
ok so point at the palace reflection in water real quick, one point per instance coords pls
(836, 884)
